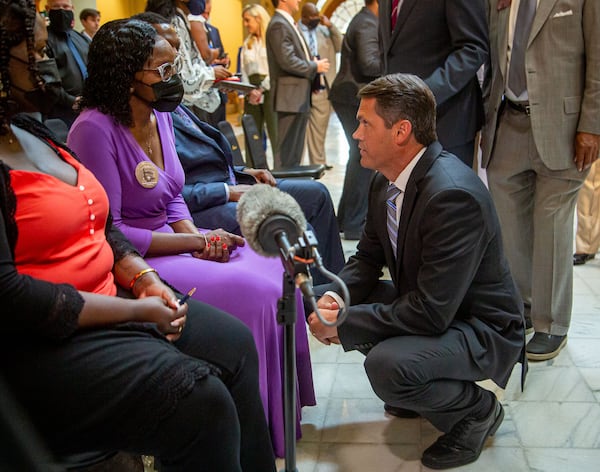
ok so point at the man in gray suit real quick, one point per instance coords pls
(324, 41)
(451, 315)
(291, 71)
(542, 134)
(445, 43)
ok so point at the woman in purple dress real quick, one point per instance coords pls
(124, 135)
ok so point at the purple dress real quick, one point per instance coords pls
(145, 198)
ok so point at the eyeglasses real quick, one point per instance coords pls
(168, 69)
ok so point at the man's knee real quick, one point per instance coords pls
(388, 373)
(378, 366)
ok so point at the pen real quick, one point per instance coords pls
(187, 296)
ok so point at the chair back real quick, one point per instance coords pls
(255, 154)
(227, 130)
(255, 150)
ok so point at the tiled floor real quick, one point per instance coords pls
(553, 426)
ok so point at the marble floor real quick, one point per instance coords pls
(553, 426)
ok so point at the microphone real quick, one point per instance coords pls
(269, 219)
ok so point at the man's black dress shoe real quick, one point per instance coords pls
(328, 167)
(581, 258)
(400, 412)
(463, 444)
(544, 346)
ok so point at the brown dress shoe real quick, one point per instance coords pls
(544, 346)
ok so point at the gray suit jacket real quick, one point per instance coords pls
(444, 42)
(360, 61)
(563, 76)
(291, 73)
(450, 272)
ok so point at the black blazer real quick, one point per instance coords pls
(206, 157)
(450, 272)
(444, 42)
(70, 74)
(360, 59)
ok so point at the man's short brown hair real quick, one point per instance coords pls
(404, 97)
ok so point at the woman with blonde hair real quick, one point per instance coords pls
(255, 69)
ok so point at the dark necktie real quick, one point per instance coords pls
(392, 223)
(517, 81)
(76, 56)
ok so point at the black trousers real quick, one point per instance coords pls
(291, 129)
(465, 152)
(352, 210)
(194, 404)
(432, 375)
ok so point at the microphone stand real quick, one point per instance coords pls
(287, 315)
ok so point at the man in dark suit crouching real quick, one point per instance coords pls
(451, 314)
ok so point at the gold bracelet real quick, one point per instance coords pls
(139, 275)
(205, 240)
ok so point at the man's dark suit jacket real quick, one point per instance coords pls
(204, 184)
(70, 74)
(444, 42)
(451, 272)
(360, 59)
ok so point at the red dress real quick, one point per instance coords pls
(61, 229)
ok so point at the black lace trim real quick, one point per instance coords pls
(180, 381)
(120, 245)
(62, 319)
(8, 206)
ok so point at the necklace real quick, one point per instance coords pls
(7, 134)
(149, 135)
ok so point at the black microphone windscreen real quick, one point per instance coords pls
(262, 212)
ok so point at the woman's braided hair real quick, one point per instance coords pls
(17, 23)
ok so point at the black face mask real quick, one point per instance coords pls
(61, 20)
(168, 95)
(196, 6)
(44, 99)
(312, 24)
